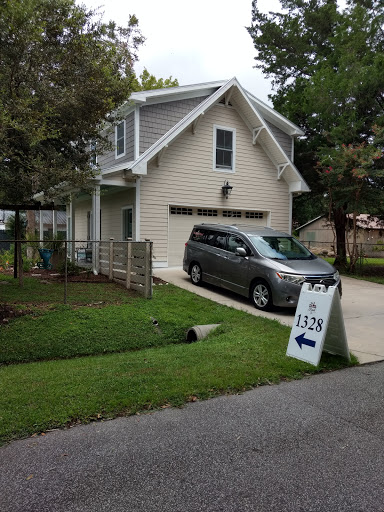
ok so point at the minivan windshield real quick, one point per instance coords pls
(280, 248)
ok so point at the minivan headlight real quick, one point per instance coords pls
(336, 276)
(291, 278)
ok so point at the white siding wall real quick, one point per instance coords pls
(186, 177)
(111, 204)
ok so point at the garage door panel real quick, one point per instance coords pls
(182, 220)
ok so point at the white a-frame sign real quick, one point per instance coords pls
(318, 325)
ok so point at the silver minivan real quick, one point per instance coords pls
(265, 265)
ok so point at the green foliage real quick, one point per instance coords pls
(72, 268)
(59, 80)
(6, 258)
(10, 225)
(327, 68)
(148, 82)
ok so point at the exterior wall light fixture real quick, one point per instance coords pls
(227, 189)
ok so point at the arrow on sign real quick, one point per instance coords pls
(302, 340)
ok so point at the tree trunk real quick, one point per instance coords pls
(340, 220)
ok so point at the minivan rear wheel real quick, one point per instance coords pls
(196, 274)
(261, 296)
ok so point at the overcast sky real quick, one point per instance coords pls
(194, 41)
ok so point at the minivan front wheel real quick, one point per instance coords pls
(196, 274)
(261, 296)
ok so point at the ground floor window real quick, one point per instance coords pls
(127, 214)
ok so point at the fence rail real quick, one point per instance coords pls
(126, 262)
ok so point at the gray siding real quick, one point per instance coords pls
(156, 120)
(282, 138)
(130, 137)
(108, 159)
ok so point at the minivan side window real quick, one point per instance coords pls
(216, 239)
(234, 241)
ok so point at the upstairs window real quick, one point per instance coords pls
(120, 139)
(224, 150)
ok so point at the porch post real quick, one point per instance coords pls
(95, 228)
(41, 226)
(72, 231)
(137, 210)
(54, 223)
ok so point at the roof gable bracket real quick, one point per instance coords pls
(280, 169)
(196, 122)
(256, 132)
(160, 155)
(228, 97)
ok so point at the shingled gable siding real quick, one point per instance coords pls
(186, 177)
(156, 120)
(109, 159)
(282, 138)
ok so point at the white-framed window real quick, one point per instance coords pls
(120, 139)
(127, 222)
(224, 148)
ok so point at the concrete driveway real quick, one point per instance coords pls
(362, 304)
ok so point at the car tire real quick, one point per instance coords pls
(196, 274)
(261, 296)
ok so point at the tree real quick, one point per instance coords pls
(62, 72)
(327, 66)
(351, 178)
(148, 82)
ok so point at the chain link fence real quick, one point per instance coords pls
(368, 253)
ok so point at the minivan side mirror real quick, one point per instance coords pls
(240, 251)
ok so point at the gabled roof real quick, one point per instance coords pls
(309, 222)
(250, 111)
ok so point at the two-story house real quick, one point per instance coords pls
(208, 152)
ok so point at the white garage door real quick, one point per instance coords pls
(182, 220)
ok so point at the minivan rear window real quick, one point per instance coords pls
(198, 235)
(281, 248)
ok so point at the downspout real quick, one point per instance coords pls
(290, 212)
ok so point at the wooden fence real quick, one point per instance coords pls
(129, 263)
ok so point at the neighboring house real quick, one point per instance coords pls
(178, 151)
(320, 235)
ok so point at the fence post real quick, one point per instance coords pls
(148, 270)
(129, 265)
(111, 259)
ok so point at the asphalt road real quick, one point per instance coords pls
(310, 445)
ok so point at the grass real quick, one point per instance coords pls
(370, 269)
(93, 363)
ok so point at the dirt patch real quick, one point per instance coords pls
(7, 312)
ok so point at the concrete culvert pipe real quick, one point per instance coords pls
(198, 332)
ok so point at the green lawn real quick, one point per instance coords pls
(99, 361)
(369, 269)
